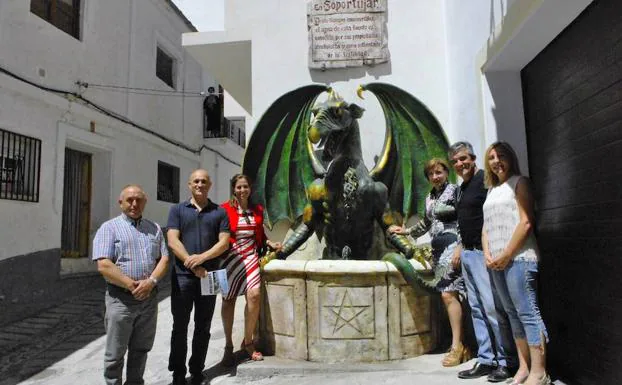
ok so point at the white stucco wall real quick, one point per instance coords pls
(461, 58)
(233, 108)
(117, 47)
(121, 155)
(489, 43)
(469, 25)
(280, 50)
(205, 15)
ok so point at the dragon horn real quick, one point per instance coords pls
(333, 96)
(359, 91)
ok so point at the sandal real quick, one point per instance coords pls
(228, 358)
(456, 356)
(250, 352)
(517, 381)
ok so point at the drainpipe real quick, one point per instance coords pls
(183, 99)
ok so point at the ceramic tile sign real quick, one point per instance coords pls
(347, 33)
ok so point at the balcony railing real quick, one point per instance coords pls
(232, 128)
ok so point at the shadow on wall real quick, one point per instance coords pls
(507, 114)
(344, 74)
(493, 22)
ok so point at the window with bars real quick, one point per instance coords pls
(168, 182)
(20, 167)
(165, 67)
(63, 14)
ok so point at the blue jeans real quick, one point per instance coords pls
(518, 289)
(491, 324)
(186, 293)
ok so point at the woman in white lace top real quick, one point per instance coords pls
(511, 252)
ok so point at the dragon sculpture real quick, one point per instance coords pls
(327, 189)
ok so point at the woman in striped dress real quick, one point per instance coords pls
(248, 240)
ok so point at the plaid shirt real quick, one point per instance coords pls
(134, 246)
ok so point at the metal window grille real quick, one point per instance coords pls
(20, 167)
(63, 14)
(168, 183)
(233, 128)
(236, 130)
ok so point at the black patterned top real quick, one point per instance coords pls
(440, 214)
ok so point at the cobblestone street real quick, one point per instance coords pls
(31, 345)
(65, 345)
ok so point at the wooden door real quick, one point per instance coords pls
(76, 204)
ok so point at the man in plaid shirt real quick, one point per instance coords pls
(132, 256)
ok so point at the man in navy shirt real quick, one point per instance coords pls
(198, 234)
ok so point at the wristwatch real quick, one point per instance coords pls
(154, 281)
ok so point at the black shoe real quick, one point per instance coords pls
(477, 371)
(197, 379)
(501, 373)
(179, 379)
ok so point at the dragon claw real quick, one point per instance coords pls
(263, 261)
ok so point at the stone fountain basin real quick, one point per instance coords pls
(344, 311)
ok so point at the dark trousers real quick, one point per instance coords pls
(186, 293)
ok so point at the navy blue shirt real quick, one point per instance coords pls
(198, 230)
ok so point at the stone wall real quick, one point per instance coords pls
(325, 310)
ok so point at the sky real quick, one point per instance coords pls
(206, 15)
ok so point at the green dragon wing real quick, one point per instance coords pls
(413, 136)
(279, 157)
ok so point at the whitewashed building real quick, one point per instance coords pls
(94, 95)
(544, 75)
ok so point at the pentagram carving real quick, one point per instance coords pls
(346, 317)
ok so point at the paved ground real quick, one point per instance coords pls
(64, 345)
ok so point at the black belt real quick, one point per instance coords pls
(472, 246)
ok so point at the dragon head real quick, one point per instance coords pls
(332, 122)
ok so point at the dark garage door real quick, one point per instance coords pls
(573, 109)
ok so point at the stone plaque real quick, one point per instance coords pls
(347, 33)
(346, 312)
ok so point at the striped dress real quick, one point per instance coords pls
(242, 261)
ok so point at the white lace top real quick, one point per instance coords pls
(501, 218)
